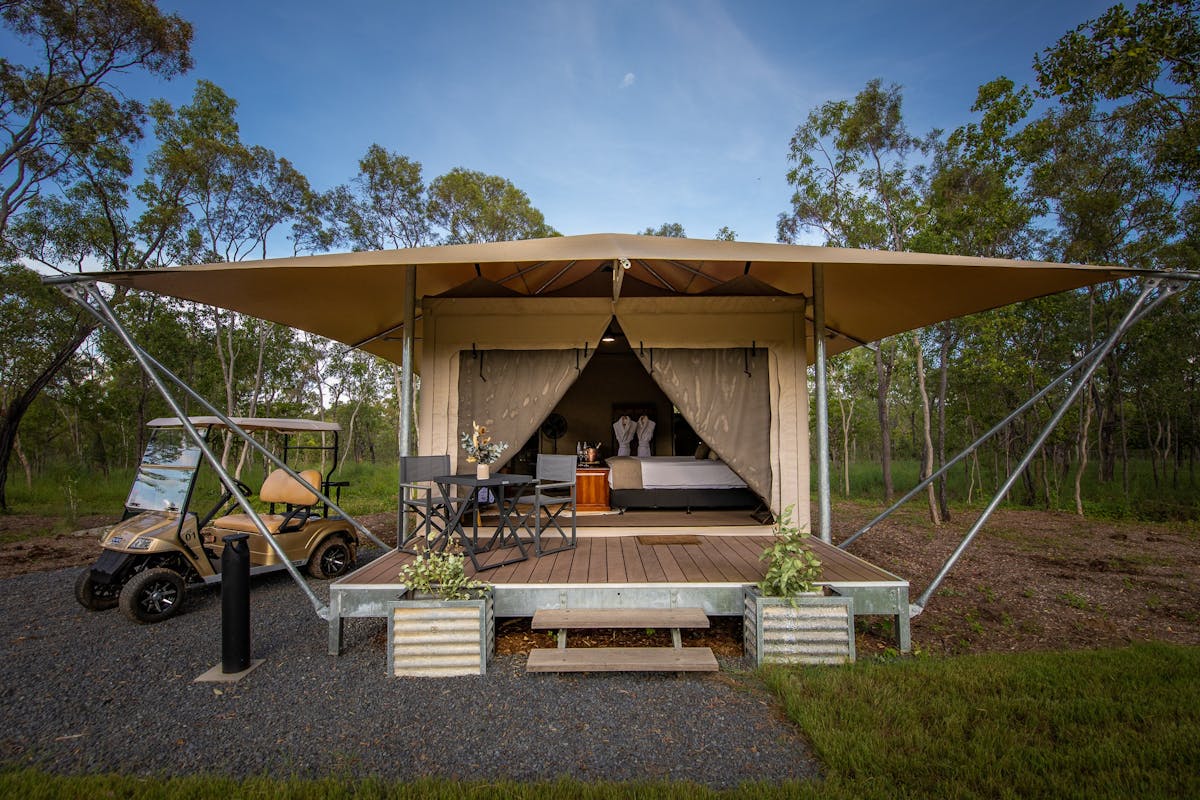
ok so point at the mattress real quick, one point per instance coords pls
(674, 472)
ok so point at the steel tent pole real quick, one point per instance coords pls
(234, 427)
(824, 511)
(919, 606)
(90, 290)
(999, 426)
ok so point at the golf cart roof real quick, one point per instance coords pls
(251, 424)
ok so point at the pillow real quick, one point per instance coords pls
(712, 456)
(702, 451)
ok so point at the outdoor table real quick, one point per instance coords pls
(506, 502)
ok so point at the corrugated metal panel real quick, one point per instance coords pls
(440, 638)
(813, 630)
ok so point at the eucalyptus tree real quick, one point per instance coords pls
(61, 104)
(857, 173)
(233, 196)
(472, 207)
(67, 125)
(671, 230)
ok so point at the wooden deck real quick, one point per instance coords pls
(640, 559)
(706, 568)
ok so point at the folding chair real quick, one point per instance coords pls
(420, 497)
(553, 493)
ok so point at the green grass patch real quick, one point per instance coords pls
(1111, 723)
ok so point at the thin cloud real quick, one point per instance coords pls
(628, 80)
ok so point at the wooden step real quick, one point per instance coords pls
(591, 618)
(622, 659)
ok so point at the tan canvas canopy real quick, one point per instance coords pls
(355, 298)
(504, 329)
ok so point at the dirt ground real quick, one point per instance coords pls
(1032, 580)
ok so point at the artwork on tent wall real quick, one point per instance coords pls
(633, 426)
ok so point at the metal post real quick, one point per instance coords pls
(824, 512)
(211, 409)
(113, 324)
(999, 426)
(919, 606)
(235, 604)
(406, 391)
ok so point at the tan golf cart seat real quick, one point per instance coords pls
(279, 487)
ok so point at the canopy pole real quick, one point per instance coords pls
(229, 423)
(406, 392)
(90, 290)
(824, 512)
(1126, 322)
(999, 426)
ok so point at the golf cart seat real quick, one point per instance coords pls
(279, 487)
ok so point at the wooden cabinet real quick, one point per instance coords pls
(591, 489)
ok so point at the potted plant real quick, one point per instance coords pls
(443, 624)
(787, 617)
(481, 450)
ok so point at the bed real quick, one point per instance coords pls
(676, 482)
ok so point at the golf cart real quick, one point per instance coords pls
(178, 513)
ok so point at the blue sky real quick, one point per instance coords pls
(612, 116)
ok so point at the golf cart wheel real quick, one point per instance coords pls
(95, 596)
(333, 558)
(153, 595)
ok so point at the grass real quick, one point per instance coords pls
(1110, 723)
(1168, 500)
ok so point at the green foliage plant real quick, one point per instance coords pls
(442, 575)
(792, 567)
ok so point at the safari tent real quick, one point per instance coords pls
(720, 331)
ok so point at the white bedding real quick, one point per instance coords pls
(686, 472)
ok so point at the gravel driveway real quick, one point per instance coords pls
(94, 692)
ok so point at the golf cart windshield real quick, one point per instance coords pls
(166, 473)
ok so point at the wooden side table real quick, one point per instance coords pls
(591, 489)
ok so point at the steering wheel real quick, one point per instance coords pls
(243, 488)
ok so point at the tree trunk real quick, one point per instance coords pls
(945, 347)
(264, 329)
(1083, 450)
(883, 375)
(934, 515)
(11, 420)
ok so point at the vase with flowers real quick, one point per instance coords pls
(481, 450)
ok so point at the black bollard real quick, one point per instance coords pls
(235, 604)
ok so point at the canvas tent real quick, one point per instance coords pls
(528, 315)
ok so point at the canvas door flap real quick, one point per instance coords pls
(724, 394)
(512, 391)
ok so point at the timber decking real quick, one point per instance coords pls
(622, 659)
(628, 560)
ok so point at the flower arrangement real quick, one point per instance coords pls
(791, 565)
(480, 447)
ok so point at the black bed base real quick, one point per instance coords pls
(683, 498)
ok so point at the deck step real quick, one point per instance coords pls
(592, 618)
(622, 659)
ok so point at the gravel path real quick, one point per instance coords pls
(94, 692)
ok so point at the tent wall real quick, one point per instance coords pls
(454, 325)
(774, 323)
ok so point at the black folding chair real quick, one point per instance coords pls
(552, 496)
(421, 499)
